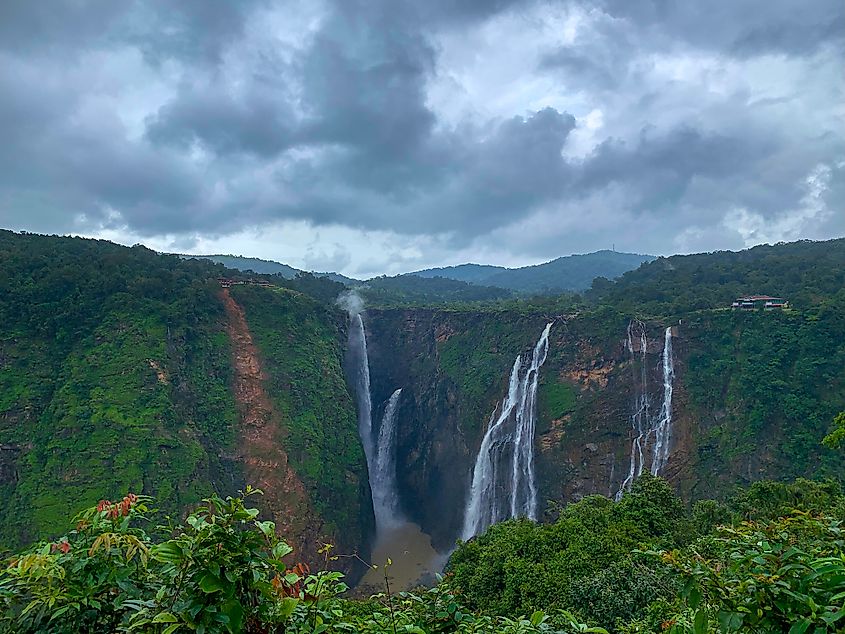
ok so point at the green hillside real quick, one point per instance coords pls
(803, 272)
(471, 273)
(116, 374)
(413, 290)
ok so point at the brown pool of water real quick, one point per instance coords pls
(414, 561)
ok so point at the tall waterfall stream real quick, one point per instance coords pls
(650, 431)
(503, 480)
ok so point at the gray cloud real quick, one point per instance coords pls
(199, 119)
(751, 27)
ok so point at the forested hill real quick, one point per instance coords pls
(568, 273)
(804, 273)
(123, 369)
(269, 267)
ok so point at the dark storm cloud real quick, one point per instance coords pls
(340, 128)
(256, 122)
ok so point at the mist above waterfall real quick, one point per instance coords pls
(351, 302)
(503, 478)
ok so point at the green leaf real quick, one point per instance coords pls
(268, 528)
(171, 628)
(165, 617)
(167, 552)
(281, 549)
(287, 606)
(209, 584)
(800, 627)
(699, 625)
(234, 610)
(694, 597)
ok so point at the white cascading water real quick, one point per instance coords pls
(361, 371)
(644, 425)
(640, 415)
(663, 431)
(503, 480)
(379, 450)
(383, 475)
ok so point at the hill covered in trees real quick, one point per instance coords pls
(804, 273)
(119, 370)
(565, 274)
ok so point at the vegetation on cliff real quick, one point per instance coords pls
(766, 387)
(116, 373)
(803, 272)
(300, 343)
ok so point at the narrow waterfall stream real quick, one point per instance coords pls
(637, 344)
(648, 430)
(663, 431)
(383, 475)
(503, 480)
(361, 371)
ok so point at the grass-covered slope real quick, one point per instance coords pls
(114, 373)
(117, 373)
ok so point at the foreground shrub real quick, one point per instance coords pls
(221, 571)
(780, 575)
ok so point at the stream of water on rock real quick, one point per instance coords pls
(648, 430)
(503, 480)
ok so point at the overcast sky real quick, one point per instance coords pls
(381, 136)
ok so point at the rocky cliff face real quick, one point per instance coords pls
(453, 368)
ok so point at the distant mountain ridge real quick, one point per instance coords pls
(241, 263)
(570, 273)
(268, 267)
(567, 273)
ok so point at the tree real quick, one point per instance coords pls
(836, 438)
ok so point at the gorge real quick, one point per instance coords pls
(382, 418)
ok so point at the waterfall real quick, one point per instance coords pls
(640, 414)
(379, 447)
(646, 428)
(383, 475)
(663, 432)
(361, 371)
(503, 479)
